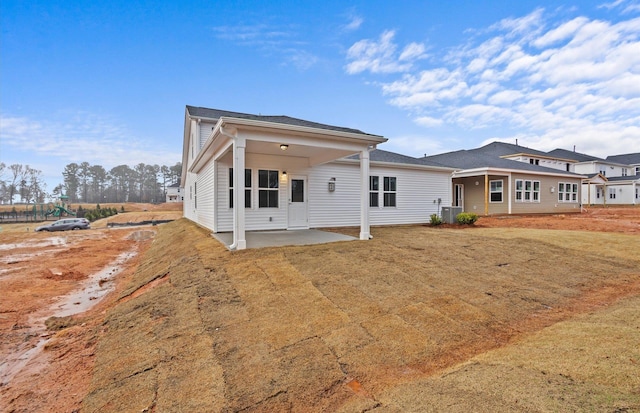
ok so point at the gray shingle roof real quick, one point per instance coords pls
(623, 178)
(627, 158)
(575, 156)
(483, 158)
(379, 155)
(503, 149)
(216, 114)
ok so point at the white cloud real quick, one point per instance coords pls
(551, 81)
(354, 23)
(77, 138)
(281, 41)
(560, 33)
(629, 6)
(380, 56)
(428, 121)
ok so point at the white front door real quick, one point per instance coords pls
(298, 202)
(458, 197)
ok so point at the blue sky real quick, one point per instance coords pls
(107, 82)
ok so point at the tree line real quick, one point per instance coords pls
(88, 183)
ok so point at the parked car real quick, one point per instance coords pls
(66, 224)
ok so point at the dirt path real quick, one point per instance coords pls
(47, 361)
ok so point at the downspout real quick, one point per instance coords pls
(223, 132)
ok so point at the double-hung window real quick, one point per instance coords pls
(247, 188)
(527, 191)
(374, 191)
(567, 192)
(389, 191)
(267, 189)
(495, 191)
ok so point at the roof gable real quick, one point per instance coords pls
(215, 114)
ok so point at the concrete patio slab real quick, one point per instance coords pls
(261, 239)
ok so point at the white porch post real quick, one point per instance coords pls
(239, 240)
(364, 195)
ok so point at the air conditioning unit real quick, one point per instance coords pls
(449, 214)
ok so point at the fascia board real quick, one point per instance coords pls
(374, 139)
(500, 171)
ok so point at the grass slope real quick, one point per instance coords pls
(416, 319)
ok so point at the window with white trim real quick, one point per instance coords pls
(625, 171)
(567, 192)
(374, 191)
(268, 188)
(612, 193)
(389, 191)
(247, 188)
(527, 191)
(495, 191)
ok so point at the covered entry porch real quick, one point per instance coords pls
(263, 173)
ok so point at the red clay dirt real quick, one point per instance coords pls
(37, 268)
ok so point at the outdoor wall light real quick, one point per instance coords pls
(284, 147)
(332, 184)
(552, 189)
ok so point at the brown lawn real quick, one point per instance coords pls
(487, 318)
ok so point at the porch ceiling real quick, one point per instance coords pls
(315, 154)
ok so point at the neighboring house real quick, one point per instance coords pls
(289, 173)
(500, 178)
(631, 159)
(611, 181)
(175, 193)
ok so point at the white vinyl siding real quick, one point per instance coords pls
(205, 131)
(206, 200)
(419, 193)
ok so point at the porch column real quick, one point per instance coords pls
(486, 194)
(364, 195)
(239, 240)
(509, 194)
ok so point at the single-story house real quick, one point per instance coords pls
(499, 178)
(288, 173)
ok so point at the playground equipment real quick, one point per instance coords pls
(60, 208)
(38, 212)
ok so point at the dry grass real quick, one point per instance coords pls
(381, 325)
